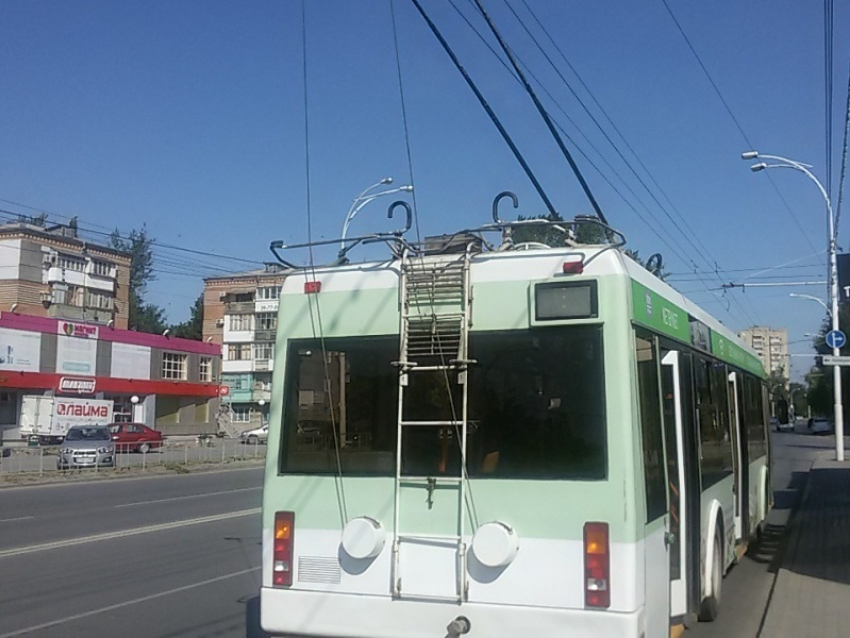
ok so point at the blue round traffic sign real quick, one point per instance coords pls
(836, 339)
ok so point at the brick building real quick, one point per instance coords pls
(48, 271)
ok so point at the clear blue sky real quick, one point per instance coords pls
(188, 116)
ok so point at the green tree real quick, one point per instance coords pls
(144, 317)
(661, 274)
(539, 233)
(194, 327)
(821, 392)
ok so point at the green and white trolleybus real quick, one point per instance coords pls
(505, 441)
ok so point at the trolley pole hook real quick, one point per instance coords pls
(498, 199)
(408, 212)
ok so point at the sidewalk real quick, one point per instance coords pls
(811, 595)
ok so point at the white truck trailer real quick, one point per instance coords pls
(49, 417)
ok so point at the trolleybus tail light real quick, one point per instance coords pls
(284, 541)
(573, 267)
(597, 565)
(312, 287)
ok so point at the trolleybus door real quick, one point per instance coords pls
(678, 493)
(741, 484)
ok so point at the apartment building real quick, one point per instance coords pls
(240, 314)
(48, 271)
(771, 345)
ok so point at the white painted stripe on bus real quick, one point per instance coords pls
(40, 547)
(181, 498)
(127, 603)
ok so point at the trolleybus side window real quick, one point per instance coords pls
(651, 428)
(754, 418)
(715, 437)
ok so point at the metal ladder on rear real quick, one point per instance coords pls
(435, 308)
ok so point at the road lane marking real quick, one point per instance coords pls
(181, 498)
(40, 547)
(12, 520)
(122, 477)
(127, 603)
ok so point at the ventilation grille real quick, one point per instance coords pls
(318, 569)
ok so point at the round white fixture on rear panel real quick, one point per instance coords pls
(363, 537)
(495, 544)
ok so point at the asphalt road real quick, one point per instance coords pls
(137, 557)
(747, 586)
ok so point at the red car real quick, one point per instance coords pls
(135, 436)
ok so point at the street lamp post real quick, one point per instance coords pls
(784, 162)
(362, 199)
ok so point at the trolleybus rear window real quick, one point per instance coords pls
(535, 408)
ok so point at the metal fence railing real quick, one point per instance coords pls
(176, 455)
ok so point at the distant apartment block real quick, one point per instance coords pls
(771, 345)
(240, 313)
(48, 271)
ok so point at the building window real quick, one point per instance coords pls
(205, 371)
(102, 268)
(240, 414)
(266, 321)
(268, 293)
(239, 352)
(243, 296)
(241, 322)
(264, 351)
(173, 365)
(97, 299)
(71, 263)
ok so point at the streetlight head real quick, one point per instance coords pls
(407, 188)
(748, 155)
(387, 180)
(755, 168)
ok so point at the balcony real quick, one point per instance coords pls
(239, 307)
(264, 335)
(261, 395)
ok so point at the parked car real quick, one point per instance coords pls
(129, 437)
(821, 425)
(86, 446)
(775, 424)
(257, 435)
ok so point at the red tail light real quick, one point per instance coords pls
(573, 267)
(597, 565)
(284, 542)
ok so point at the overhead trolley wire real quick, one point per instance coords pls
(750, 145)
(671, 246)
(651, 227)
(843, 175)
(827, 84)
(314, 299)
(546, 118)
(505, 135)
(698, 246)
(405, 127)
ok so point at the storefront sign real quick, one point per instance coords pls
(83, 330)
(77, 385)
